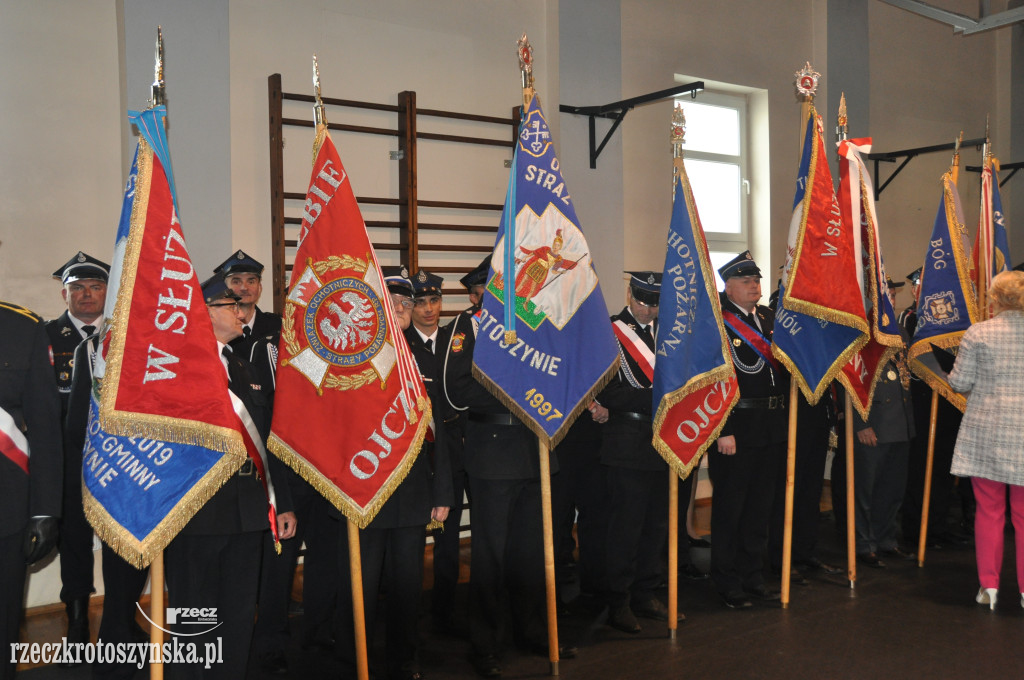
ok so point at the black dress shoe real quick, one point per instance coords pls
(737, 600)
(871, 559)
(898, 553)
(692, 573)
(762, 592)
(654, 609)
(815, 565)
(622, 618)
(274, 663)
(486, 665)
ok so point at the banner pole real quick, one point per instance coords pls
(157, 610)
(787, 530)
(355, 568)
(549, 556)
(851, 521)
(926, 499)
(673, 553)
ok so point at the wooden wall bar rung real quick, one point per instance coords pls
(408, 201)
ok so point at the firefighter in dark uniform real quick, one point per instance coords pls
(84, 280)
(751, 448)
(636, 474)
(447, 542)
(947, 426)
(502, 462)
(215, 560)
(393, 544)
(30, 481)
(244, 276)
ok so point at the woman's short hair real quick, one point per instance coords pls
(1007, 290)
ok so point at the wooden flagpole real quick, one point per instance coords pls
(787, 530)
(355, 568)
(934, 413)
(851, 520)
(549, 556)
(927, 497)
(156, 615)
(673, 553)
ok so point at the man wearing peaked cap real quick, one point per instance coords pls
(908, 317)
(244, 275)
(426, 311)
(476, 281)
(636, 473)
(749, 454)
(84, 280)
(214, 561)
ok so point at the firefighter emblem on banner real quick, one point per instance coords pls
(340, 340)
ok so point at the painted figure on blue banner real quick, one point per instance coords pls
(533, 271)
(636, 472)
(84, 280)
(751, 449)
(30, 461)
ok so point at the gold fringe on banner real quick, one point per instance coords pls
(887, 356)
(360, 516)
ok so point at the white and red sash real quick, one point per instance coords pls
(258, 454)
(634, 345)
(13, 444)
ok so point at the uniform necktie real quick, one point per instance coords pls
(429, 345)
(232, 369)
(246, 331)
(88, 330)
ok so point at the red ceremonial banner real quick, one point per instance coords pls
(350, 410)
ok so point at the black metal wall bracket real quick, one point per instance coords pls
(1012, 167)
(909, 154)
(616, 111)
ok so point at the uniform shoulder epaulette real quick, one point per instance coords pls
(18, 309)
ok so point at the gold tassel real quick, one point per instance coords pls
(510, 337)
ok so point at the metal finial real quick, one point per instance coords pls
(319, 113)
(526, 60)
(678, 130)
(157, 95)
(842, 126)
(956, 149)
(988, 143)
(807, 81)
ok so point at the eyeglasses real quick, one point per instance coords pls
(644, 304)
(402, 302)
(225, 304)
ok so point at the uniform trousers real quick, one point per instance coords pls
(579, 495)
(75, 539)
(990, 529)
(637, 533)
(319, 575)
(447, 545)
(222, 571)
(123, 585)
(811, 456)
(393, 557)
(880, 480)
(507, 558)
(12, 596)
(741, 503)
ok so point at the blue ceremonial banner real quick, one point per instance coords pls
(547, 353)
(820, 320)
(694, 379)
(946, 304)
(163, 434)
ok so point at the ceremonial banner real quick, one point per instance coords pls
(946, 306)
(350, 411)
(694, 379)
(562, 350)
(820, 321)
(857, 204)
(991, 245)
(163, 434)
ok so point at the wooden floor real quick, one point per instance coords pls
(900, 622)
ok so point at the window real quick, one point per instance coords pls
(717, 164)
